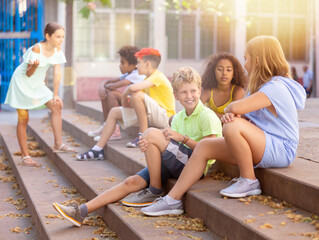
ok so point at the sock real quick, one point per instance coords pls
(171, 201)
(96, 148)
(155, 191)
(250, 181)
(83, 210)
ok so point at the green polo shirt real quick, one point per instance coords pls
(201, 123)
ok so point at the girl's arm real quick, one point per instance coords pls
(252, 103)
(33, 64)
(205, 95)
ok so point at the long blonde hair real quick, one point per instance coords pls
(267, 59)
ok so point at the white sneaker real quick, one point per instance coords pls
(115, 136)
(96, 132)
(241, 188)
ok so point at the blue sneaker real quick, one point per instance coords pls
(160, 208)
(241, 188)
(133, 143)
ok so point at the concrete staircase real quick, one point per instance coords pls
(288, 210)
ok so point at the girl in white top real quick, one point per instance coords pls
(27, 89)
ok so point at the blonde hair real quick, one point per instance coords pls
(267, 59)
(185, 75)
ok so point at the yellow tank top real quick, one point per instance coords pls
(220, 109)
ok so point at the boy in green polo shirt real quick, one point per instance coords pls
(167, 151)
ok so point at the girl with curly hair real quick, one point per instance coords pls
(223, 82)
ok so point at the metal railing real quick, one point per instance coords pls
(21, 26)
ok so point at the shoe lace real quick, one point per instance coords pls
(75, 205)
(234, 180)
(144, 192)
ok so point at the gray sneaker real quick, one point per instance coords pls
(160, 207)
(72, 213)
(241, 188)
(142, 199)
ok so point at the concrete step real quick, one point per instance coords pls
(203, 200)
(41, 186)
(91, 183)
(10, 217)
(290, 184)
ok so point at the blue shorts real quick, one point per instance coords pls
(278, 152)
(173, 159)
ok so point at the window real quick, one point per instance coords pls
(182, 34)
(285, 19)
(106, 31)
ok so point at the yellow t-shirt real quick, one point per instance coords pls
(161, 92)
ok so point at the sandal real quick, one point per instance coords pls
(64, 149)
(91, 155)
(31, 163)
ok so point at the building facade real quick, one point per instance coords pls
(189, 37)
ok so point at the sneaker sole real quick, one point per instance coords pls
(239, 195)
(93, 135)
(130, 204)
(166, 212)
(131, 146)
(76, 223)
(111, 139)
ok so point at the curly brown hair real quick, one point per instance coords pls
(128, 52)
(209, 79)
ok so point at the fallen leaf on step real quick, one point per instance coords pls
(54, 216)
(283, 224)
(250, 220)
(265, 226)
(70, 139)
(52, 181)
(74, 144)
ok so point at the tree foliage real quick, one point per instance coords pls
(178, 5)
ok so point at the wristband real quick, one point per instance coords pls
(185, 139)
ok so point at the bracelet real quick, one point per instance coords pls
(185, 139)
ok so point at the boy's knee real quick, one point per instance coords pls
(115, 113)
(133, 181)
(138, 96)
(152, 134)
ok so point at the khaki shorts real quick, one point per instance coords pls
(156, 115)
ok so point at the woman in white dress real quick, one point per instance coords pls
(27, 89)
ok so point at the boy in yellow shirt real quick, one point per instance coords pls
(147, 103)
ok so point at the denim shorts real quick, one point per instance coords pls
(278, 152)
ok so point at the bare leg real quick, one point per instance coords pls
(116, 193)
(157, 143)
(246, 143)
(56, 121)
(210, 148)
(23, 119)
(112, 99)
(137, 102)
(109, 127)
(243, 145)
